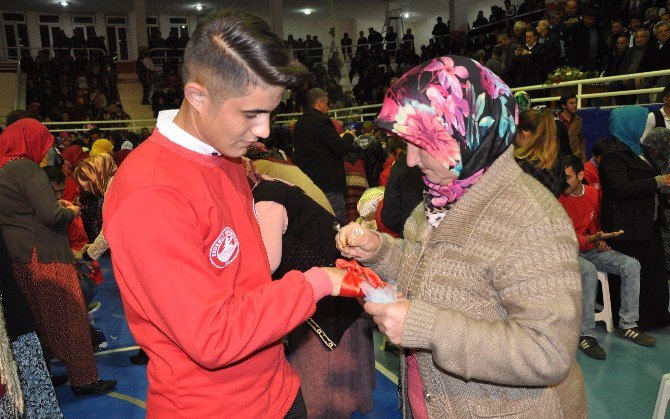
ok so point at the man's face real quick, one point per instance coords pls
(555, 19)
(634, 24)
(571, 106)
(621, 44)
(616, 28)
(144, 132)
(237, 123)
(66, 168)
(663, 33)
(542, 28)
(323, 105)
(641, 39)
(531, 38)
(571, 8)
(666, 101)
(574, 180)
(66, 142)
(589, 21)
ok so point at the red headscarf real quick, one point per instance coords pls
(73, 155)
(26, 138)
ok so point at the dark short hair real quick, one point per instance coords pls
(533, 31)
(570, 160)
(498, 50)
(19, 114)
(601, 146)
(591, 13)
(666, 91)
(564, 99)
(232, 50)
(55, 174)
(315, 95)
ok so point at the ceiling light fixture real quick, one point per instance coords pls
(406, 15)
(64, 3)
(307, 11)
(199, 7)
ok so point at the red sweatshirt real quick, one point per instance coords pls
(584, 211)
(196, 285)
(591, 175)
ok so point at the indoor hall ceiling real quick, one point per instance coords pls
(344, 9)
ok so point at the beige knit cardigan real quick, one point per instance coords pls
(495, 306)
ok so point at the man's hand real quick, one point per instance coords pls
(666, 179)
(602, 246)
(75, 209)
(599, 236)
(350, 132)
(390, 317)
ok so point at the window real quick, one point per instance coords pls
(13, 17)
(49, 30)
(116, 20)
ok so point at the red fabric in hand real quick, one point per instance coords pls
(351, 284)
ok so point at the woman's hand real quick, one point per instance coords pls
(336, 275)
(356, 241)
(75, 209)
(390, 317)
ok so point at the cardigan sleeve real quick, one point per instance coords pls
(158, 254)
(539, 285)
(39, 193)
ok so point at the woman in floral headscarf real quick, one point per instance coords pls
(94, 175)
(488, 263)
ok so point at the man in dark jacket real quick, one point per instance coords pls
(318, 150)
(528, 61)
(587, 49)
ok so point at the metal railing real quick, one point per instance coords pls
(360, 113)
(16, 53)
(134, 125)
(595, 81)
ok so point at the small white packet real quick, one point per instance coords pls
(384, 294)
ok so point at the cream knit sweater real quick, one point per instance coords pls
(495, 306)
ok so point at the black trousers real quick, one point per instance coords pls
(298, 409)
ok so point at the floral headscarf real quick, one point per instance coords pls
(657, 148)
(459, 112)
(627, 125)
(25, 139)
(101, 146)
(94, 173)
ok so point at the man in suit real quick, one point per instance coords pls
(318, 150)
(552, 47)
(658, 58)
(528, 61)
(587, 47)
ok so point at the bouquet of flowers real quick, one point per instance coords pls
(569, 74)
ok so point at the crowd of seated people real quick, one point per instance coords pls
(522, 44)
(72, 84)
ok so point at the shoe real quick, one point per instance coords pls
(99, 340)
(590, 347)
(96, 387)
(58, 380)
(140, 359)
(636, 335)
(93, 307)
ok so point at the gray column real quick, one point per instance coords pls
(277, 17)
(140, 9)
(458, 16)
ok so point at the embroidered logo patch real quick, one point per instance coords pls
(225, 248)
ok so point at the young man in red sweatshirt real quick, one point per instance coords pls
(582, 203)
(187, 249)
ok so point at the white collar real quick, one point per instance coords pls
(174, 133)
(581, 194)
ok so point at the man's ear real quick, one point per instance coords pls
(580, 176)
(197, 96)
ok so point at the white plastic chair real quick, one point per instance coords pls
(605, 314)
(662, 398)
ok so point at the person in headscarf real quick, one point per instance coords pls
(71, 158)
(94, 175)
(101, 146)
(121, 155)
(656, 147)
(630, 202)
(33, 224)
(483, 327)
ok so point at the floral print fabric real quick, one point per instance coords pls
(458, 111)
